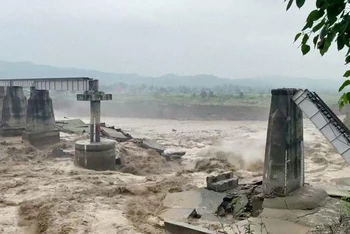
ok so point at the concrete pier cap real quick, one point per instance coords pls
(99, 156)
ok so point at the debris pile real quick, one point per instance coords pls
(242, 201)
(77, 126)
(241, 205)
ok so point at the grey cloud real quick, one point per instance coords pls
(229, 38)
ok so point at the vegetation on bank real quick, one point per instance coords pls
(249, 100)
(326, 25)
(258, 100)
(254, 100)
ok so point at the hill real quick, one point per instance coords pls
(30, 70)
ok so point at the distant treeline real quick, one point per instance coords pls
(143, 89)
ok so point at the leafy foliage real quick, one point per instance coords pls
(328, 23)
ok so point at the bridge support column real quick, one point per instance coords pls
(284, 157)
(40, 125)
(14, 111)
(95, 154)
(2, 96)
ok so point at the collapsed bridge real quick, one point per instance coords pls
(34, 118)
(284, 155)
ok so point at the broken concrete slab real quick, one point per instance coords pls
(182, 214)
(334, 192)
(182, 204)
(184, 228)
(149, 144)
(240, 206)
(72, 126)
(194, 199)
(112, 133)
(305, 198)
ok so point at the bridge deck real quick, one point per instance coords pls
(325, 120)
(66, 83)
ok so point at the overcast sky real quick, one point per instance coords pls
(227, 38)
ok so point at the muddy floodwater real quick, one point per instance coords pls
(44, 194)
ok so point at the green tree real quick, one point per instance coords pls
(326, 25)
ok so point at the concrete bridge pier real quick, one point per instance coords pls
(284, 157)
(40, 119)
(95, 154)
(14, 110)
(2, 96)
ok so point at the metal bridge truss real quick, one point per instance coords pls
(67, 84)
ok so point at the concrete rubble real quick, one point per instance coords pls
(306, 210)
(222, 182)
(241, 202)
(77, 126)
(116, 134)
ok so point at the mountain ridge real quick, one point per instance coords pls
(16, 70)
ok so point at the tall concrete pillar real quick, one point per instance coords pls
(40, 124)
(284, 158)
(14, 110)
(2, 96)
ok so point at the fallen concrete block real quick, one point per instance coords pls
(222, 182)
(223, 176)
(224, 185)
(184, 228)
